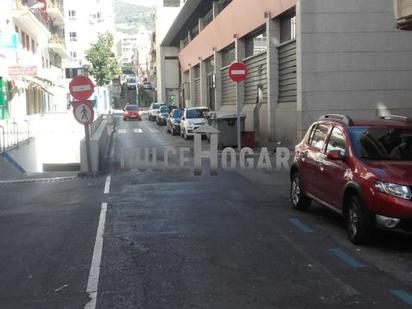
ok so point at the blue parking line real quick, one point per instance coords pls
(403, 295)
(346, 258)
(301, 226)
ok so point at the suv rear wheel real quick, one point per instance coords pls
(358, 221)
(297, 196)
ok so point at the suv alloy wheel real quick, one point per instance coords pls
(357, 221)
(299, 200)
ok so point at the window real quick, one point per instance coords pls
(256, 44)
(33, 46)
(23, 40)
(73, 54)
(73, 36)
(171, 3)
(72, 15)
(288, 27)
(337, 141)
(318, 136)
(228, 56)
(27, 42)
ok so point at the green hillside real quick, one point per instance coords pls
(126, 13)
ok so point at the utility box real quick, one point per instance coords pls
(226, 124)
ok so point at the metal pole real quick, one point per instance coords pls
(238, 104)
(88, 154)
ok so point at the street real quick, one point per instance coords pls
(174, 240)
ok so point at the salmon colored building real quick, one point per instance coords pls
(304, 58)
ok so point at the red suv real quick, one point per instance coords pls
(360, 168)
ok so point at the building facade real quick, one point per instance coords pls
(31, 55)
(85, 21)
(167, 64)
(304, 59)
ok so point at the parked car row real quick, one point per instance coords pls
(179, 121)
(362, 169)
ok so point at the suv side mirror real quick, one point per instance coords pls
(335, 155)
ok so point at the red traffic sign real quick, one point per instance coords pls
(238, 71)
(81, 87)
(83, 112)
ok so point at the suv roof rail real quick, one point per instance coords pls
(394, 117)
(344, 118)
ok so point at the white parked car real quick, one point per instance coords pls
(131, 83)
(193, 118)
(154, 111)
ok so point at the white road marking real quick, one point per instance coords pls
(93, 282)
(107, 185)
(138, 131)
(121, 131)
(154, 130)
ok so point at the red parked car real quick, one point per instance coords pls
(131, 112)
(361, 169)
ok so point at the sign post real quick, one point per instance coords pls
(81, 88)
(238, 72)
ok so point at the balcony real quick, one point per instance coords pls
(55, 12)
(29, 16)
(56, 43)
(53, 74)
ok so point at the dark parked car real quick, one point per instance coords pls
(131, 112)
(360, 169)
(173, 121)
(161, 118)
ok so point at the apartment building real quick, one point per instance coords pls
(304, 58)
(134, 45)
(85, 21)
(31, 71)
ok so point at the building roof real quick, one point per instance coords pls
(187, 19)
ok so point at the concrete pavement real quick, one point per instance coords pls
(175, 240)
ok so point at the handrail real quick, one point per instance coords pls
(96, 124)
(3, 146)
(13, 134)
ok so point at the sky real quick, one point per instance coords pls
(149, 3)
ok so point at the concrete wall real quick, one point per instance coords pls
(351, 60)
(167, 71)
(98, 144)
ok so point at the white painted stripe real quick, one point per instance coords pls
(138, 131)
(93, 282)
(121, 131)
(107, 185)
(153, 130)
(238, 72)
(81, 88)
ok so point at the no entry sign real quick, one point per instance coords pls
(83, 113)
(238, 71)
(81, 88)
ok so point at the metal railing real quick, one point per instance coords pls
(96, 124)
(13, 133)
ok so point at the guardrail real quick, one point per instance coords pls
(13, 133)
(96, 124)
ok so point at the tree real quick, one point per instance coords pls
(104, 65)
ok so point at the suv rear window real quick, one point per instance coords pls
(382, 143)
(318, 136)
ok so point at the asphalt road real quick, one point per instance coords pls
(174, 240)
